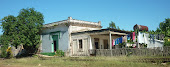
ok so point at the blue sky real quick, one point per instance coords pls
(125, 13)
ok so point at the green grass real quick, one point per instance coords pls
(49, 54)
(77, 62)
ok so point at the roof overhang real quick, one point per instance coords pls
(103, 31)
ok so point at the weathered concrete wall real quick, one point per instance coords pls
(80, 29)
(46, 43)
(88, 43)
(85, 43)
(101, 38)
(47, 38)
(65, 37)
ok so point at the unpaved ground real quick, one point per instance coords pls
(77, 62)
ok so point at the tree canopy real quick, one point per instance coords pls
(164, 27)
(112, 25)
(23, 29)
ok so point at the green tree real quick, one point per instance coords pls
(118, 28)
(112, 25)
(158, 30)
(24, 29)
(164, 27)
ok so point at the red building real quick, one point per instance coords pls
(140, 28)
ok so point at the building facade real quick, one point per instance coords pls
(77, 37)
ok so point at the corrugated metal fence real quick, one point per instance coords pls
(159, 51)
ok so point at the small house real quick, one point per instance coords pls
(77, 37)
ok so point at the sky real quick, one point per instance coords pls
(125, 13)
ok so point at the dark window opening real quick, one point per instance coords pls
(80, 44)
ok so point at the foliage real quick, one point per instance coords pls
(122, 44)
(130, 41)
(9, 53)
(144, 31)
(144, 45)
(6, 52)
(136, 39)
(152, 32)
(136, 32)
(166, 42)
(131, 31)
(164, 27)
(112, 25)
(158, 30)
(23, 29)
(3, 51)
(118, 28)
(49, 53)
(59, 53)
(130, 46)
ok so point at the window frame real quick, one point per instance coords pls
(80, 47)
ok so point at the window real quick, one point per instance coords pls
(80, 44)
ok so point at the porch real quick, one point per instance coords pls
(83, 43)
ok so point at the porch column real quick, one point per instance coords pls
(110, 36)
(90, 43)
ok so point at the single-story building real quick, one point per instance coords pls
(77, 37)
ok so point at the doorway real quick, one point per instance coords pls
(96, 42)
(105, 44)
(55, 42)
(54, 45)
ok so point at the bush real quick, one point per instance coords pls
(122, 45)
(3, 51)
(145, 45)
(59, 53)
(166, 42)
(9, 53)
(48, 54)
(6, 52)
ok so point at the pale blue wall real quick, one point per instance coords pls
(63, 39)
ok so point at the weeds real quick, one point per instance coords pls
(121, 61)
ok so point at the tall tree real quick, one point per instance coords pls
(118, 28)
(164, 27)
(24, 29)
(112, 25)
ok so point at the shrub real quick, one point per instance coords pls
(6, 52)
(166, 42)
(122, 44)
(9, 53)
(59, 53)
(3, 51)
(145, 45)
(48, 54)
